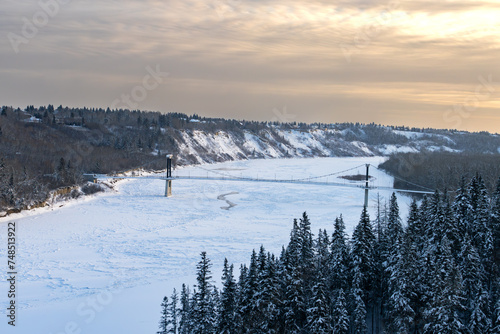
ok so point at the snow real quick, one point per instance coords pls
(391, 149)
(305, 141)
(363, 147)
(103, 264)
(410, 134)
(441, 149)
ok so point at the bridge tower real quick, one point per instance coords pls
(366, 185)
(168, 179)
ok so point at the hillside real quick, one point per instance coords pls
(46, 148)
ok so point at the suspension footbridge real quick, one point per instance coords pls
(340, 178)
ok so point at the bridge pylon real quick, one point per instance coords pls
(366, 185)
(168, 180)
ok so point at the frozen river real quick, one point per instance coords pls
(103, 264)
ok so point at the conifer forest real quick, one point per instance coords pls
(436, 272)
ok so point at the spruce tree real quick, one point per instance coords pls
(318, 315)
(164, 320)
(185, 312)
(173, 313)
(339, 258)
(340, 314)
(359, 325)
(362, 251)
(227, 316)
(203, 312)
(294, 303)
(479, 321)
(480, 230)
(461, 209)
(323, 252)
(269, 297)
(391, 253)
(401, 314)
(415, 263)
(444, 308)
(496, 318)
(472, 276)
(248, 291)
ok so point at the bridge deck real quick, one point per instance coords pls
(242, 179)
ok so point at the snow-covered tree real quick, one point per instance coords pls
(203, 312)
(339, 258)
(362, 250)
(164, 320)
(445, 305)
(401, 314)
(359, 325)
(318, 315)
(479, 321)
(173, 313)
(227, 315)
(185, 311)
(340, 314)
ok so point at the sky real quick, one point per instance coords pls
(421, 63)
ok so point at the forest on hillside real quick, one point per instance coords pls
(441, 170)
(436, 273)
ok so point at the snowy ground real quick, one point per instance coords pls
(103, 265)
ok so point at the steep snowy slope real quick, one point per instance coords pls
(197, 146)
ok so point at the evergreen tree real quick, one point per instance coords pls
(480, 322)
(496, 318)
(415, 264)
(359, 325)
(394, 226)
(443, 312)
(323, 252)
(472, 275)
(340, 315)
(296, 270)
(306, 241)
(318, 316)
(461, 209)
(185, 313)
(479, 231)
(203, 312)
(268, 297)
(401, 314)
(164, 320)
(173, 313)
(248, 290)
(227, 316)
(294, 303)
(339, 257)
(391, 254)
(362, 251)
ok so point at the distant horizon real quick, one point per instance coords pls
(256, 120)
(420, 63)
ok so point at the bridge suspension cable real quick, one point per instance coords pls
(408, 182)
(229, 176)
(305, 180)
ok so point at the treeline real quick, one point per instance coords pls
(40, 155)
(438, 273)
(47, 147)
(441, 170)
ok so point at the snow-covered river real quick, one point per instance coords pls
(103, 264)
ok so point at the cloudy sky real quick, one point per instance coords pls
(422, 63)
